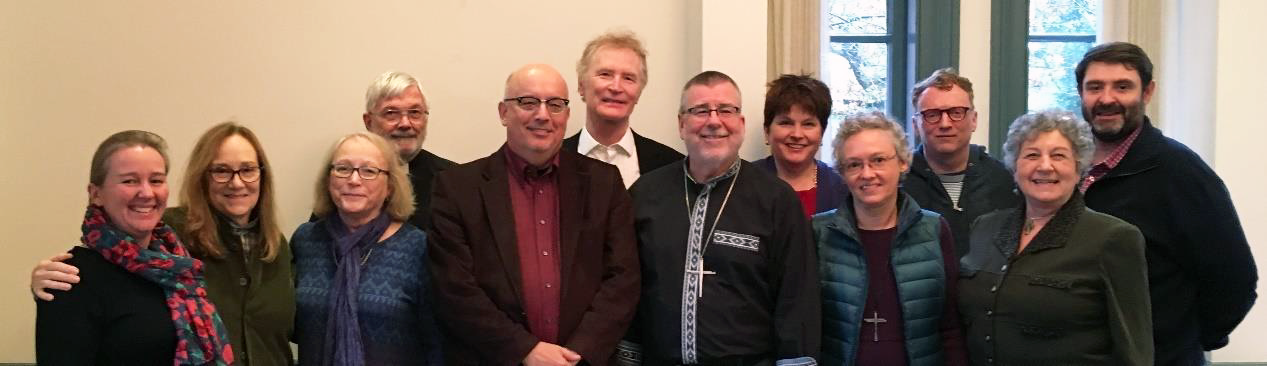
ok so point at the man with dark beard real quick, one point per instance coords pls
(1202, 276)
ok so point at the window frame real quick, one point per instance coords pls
(923, 36)
(1009, 64)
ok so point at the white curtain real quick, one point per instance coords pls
(794, 43)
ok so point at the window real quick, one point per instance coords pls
(1060, 32)
(864, 61)
(1034, 47)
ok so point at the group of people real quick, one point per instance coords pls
(1092, 242)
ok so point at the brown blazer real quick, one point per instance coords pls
(474, 261)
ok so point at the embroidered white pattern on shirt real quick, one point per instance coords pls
(741, 241)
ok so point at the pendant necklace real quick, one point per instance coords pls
(686, 196)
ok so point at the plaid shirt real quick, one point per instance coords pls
(1103, 167)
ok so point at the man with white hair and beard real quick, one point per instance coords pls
(1201, 274)
(396, 109)
(730, 273)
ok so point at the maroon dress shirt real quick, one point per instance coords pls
(534, 199)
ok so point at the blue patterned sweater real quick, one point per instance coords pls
(397, 324)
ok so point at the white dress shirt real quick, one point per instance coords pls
(623, 154)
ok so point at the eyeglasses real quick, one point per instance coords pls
(875, 163)
(366, 172)
(224, 174)
(395, 114)
(530, 104)
(932, 116)
(725, 112)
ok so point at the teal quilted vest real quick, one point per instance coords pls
(917, 267)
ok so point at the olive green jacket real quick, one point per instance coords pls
(1076, 295)
(255, 299)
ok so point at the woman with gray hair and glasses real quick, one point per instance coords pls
(1052, 282)
(887, 267)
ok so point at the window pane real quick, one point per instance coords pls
(1051, 79)
(1063, 16)
(857, 17)
(859, 80)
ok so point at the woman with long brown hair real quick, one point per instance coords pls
(227, 219)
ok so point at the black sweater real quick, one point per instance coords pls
(1200, 271)
(111, 317)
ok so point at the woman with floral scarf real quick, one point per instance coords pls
(143, 300)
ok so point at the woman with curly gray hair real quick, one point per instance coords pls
(1052, 282)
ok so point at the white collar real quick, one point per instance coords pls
(588, 142)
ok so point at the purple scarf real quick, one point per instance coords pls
(343, 329)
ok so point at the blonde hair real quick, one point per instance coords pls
(121, 140)
(201, 232)
(400, 197)
(612, 40)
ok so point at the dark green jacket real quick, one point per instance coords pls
(1077, 294)
(917, 267)
(255, 299)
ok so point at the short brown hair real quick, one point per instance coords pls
(121, 140)
(706, 78)
(942, 79)
(797, 90)
(400, 196)
(201, 232)
(612, 40)
(1126, 54)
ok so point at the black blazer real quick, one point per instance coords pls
(474, 262)
(651, 154)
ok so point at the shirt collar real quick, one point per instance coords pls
(1119, 152)
(519, 167)
(587, 143)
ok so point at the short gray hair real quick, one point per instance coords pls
(388, 85)
(873, 120)
(1030, 125)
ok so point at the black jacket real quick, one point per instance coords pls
(651, 154)
(1200, 270)
(987, 187)
(422, 173)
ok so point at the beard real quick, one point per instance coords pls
(1132, 118)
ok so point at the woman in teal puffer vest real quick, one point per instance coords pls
(888, 267)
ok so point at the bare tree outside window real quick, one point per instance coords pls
(1060, 32)
(856, 66)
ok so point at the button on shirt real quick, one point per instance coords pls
(623, 154)
(534, 200)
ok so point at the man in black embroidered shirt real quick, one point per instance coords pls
(730, 274)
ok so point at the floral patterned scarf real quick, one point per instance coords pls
(200, 335)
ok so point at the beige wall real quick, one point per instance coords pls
(71, 73)
(1238, 137)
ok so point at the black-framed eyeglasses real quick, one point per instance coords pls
(392, 114)
(875, 163)
(529, 104)
(725, 111)
(933, 115)
(224, 174)
(365, 172)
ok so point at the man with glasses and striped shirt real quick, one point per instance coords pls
(949, 175)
